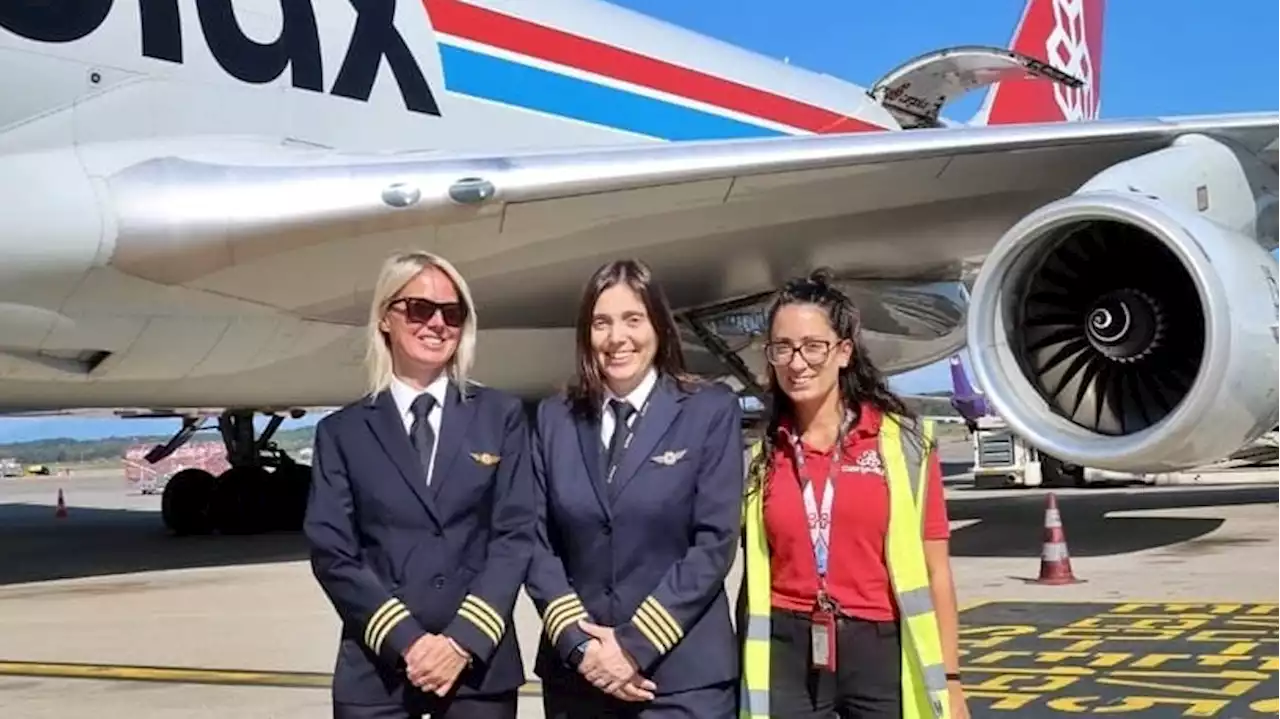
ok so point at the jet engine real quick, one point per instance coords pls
(1132, 326)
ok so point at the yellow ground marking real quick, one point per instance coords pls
(185, 675)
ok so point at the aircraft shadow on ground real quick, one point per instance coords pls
(1013, 525)
(100, 542)
(97, 542)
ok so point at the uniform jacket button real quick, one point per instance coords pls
(439, 582)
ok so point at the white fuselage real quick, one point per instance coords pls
(147, 77)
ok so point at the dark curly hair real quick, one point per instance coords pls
(860, 382)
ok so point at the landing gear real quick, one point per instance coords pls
(263, 490)
(724, 331)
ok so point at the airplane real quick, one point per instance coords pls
(962, 403)
(970, 403)
(198, 194)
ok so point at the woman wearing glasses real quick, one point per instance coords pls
(639, 481)
(420, 519)
(849, 605)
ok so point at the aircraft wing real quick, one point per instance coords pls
(718, 219)
(931, 405)
(291, 235)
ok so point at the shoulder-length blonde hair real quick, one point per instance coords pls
(396, 272)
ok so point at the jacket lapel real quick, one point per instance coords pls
(664, 408)
(453, 430)
(593, 458)
(384, 419)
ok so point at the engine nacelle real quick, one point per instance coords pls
(1136, 329)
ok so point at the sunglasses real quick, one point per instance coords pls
(420, 310)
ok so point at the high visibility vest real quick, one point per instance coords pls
(924, 683)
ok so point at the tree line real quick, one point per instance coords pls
(64, 450)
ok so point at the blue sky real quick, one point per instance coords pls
(1161, 57)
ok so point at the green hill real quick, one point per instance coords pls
(65, 450)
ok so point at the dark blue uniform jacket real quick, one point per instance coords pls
(649, 556)
(398, 558)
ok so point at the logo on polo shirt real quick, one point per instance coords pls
(868, 462)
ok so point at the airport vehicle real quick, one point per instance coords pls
(1000, 457)
(198, 195)
(152, 477)
(1003, 459)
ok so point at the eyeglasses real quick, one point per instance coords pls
(420, 310)
(813, 352)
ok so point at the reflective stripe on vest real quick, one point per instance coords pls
(924, 686)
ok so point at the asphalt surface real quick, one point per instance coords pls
(1174, 614)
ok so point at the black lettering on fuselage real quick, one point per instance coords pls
(161, 30)
(298, 46)
(373, 38)
(53, 20)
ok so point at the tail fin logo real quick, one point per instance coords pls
(1068, 50)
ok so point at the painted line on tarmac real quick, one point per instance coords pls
(1045, 659)
(185, 675)
(223, 677)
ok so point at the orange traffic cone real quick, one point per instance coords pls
(1055, 562)
(61, 511)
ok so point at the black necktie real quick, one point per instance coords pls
(622, 411)
(421, 434)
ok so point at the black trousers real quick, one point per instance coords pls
(501, 706)
(865, 685)
(716, 702)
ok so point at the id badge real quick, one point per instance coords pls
(822, 635)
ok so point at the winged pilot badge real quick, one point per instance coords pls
(670, 456)
(485, 458)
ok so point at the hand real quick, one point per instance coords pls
(608, 667)
(434, 662)
(955, 695)
(638, 688)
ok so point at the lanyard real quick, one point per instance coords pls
(629, 428)
(820, 519)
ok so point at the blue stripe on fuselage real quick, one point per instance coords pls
(468, 72)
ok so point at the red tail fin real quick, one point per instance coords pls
(1067, 34)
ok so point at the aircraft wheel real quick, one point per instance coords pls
(290, 488)
(240, 501)
(185, 503)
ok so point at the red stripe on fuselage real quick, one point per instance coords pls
(489, 27)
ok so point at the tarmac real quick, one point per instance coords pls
(103, 614)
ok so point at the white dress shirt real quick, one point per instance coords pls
(404, 394)
(636, 399)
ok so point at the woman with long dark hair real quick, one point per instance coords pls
(638, 474)
(848, 606)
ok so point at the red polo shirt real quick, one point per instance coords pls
(857, 576)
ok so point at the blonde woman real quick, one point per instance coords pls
(420, 518)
